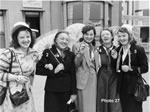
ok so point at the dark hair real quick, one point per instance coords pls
(87, 28)
(57, 34)
(130, 36)
(106, 29)
(15, 42)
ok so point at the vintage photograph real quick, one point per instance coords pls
(74, 56)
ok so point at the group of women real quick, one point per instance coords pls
(98, 79)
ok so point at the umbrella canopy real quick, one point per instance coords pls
(75, 32)
(46, 40)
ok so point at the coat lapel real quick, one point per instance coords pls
(86, 55)
(97, 59)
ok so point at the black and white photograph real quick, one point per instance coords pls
(74, 56)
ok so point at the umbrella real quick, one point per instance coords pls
(46, 40)
(74, 32)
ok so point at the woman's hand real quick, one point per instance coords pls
(49, 66)
(82, 48)
(125, 68)
(73, 97)
(114, 54)
(59, 68)
(22, 79)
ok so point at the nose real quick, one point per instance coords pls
(26, 39)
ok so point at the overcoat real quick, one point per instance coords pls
(64, 80)
(139, 65)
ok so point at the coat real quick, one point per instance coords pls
(82, 72)
(139, 65)
(62, 81)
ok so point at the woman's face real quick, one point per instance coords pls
(123, 38)
(62, 40)
(89, 36)
(24, 39)
(106, 37)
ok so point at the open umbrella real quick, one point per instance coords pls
(75, 32)
(44, 41)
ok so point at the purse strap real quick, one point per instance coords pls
(19, 65)
(10, 65)
(140, 76)
(54, 56)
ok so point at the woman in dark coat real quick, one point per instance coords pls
(107, 96)
(57, 63)
(131, 61)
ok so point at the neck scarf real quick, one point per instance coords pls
(119, 59)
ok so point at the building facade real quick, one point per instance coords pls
(44, 16)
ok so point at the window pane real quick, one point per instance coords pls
(94, 12)
(2, 29)
(144, 34)
(146, 12)
(75, 12)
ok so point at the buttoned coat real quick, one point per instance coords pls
(63, 81)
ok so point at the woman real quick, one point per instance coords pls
(131, 61)
(23, 65)
(107, 96)
(85, 70)
(57, 63)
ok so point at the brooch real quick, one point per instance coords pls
(135, 51)
(46, 55)
(56, 55)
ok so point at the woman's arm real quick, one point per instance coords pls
(41, 68)
(142, 60)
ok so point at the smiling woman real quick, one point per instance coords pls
(57, 63)
(23, 59)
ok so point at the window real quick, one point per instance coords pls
(74, 12)
(109, 14)
(144, 33)
(84, 12)
(33, 20)
(2, 30)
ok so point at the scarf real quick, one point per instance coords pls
(119, 59)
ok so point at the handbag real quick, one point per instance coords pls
(142, 89)
(19, 98)
(71, 107)
(4, 89)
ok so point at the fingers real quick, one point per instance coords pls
(59, 68)
(125, 68)
(22, 79)
(49, 66)
(82, 48)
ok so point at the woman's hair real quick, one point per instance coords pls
(130, 35)
(15, 43)
(106, 29)
(57, 34)
(87, 28)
